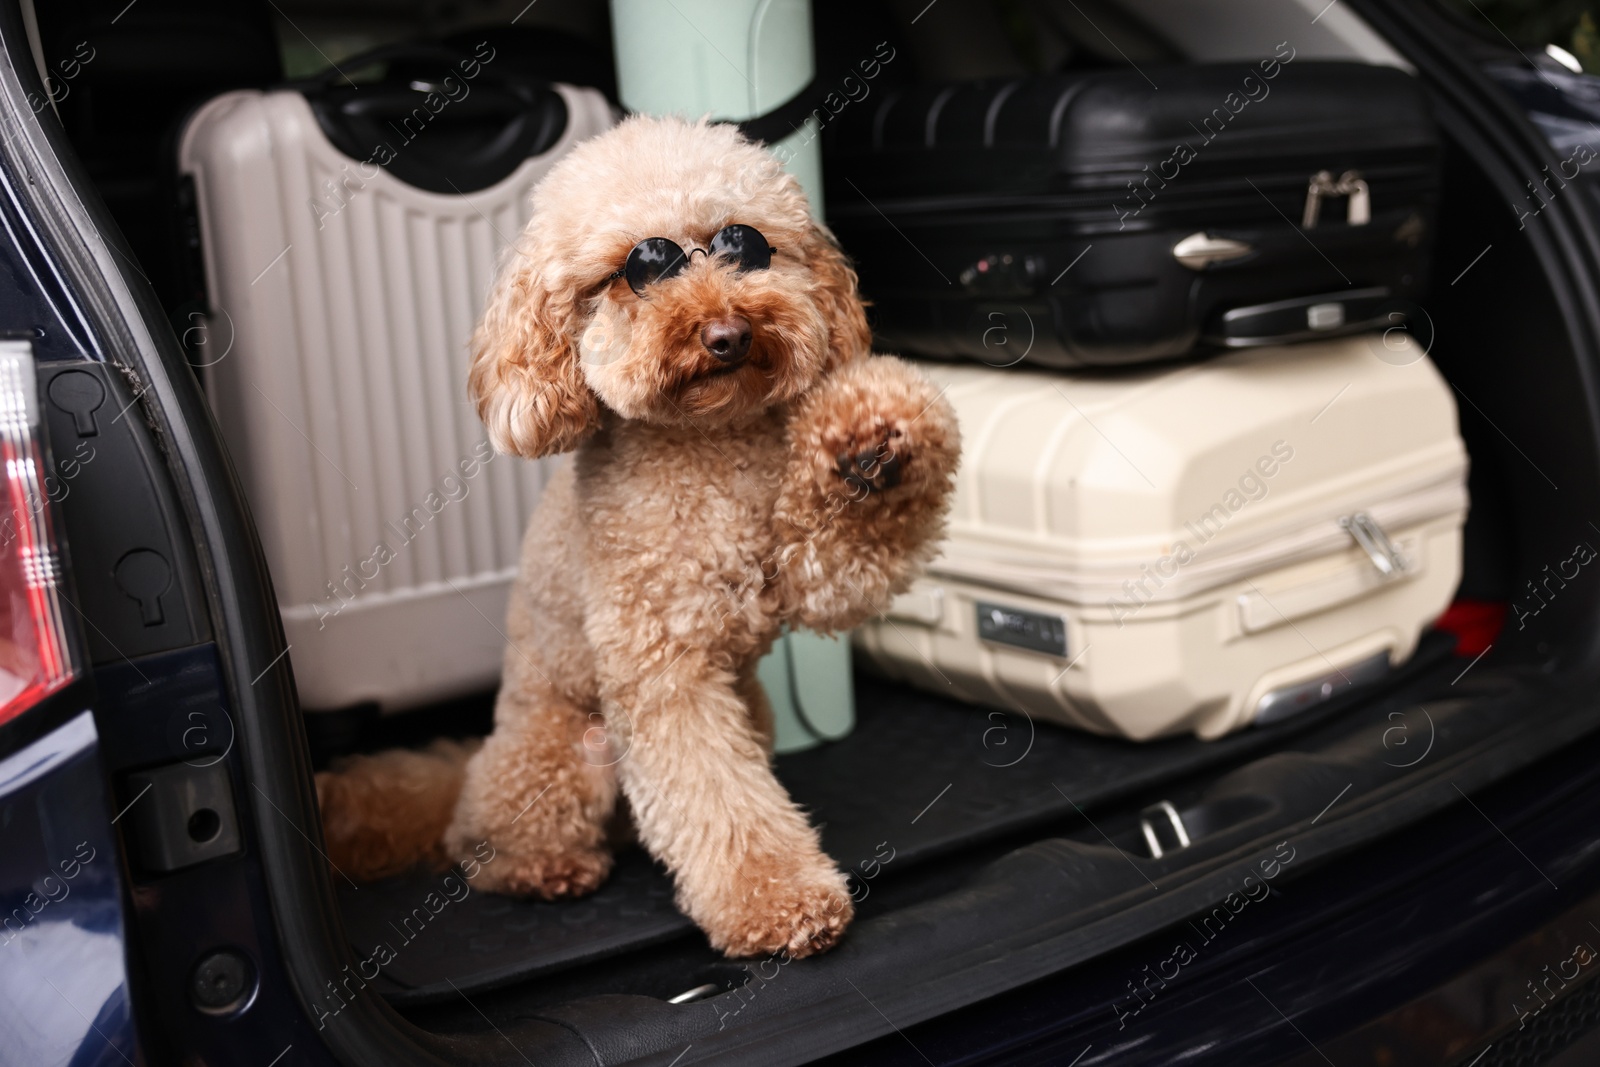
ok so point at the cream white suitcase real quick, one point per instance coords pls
(342, 299)
(1191, 549)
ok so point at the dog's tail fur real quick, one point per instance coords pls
(385, 813)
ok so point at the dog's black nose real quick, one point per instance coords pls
(728, 339)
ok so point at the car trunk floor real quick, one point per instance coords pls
(946, 776)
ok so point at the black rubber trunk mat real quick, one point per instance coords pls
(962, 775)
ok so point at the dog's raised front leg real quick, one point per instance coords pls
(872, 454)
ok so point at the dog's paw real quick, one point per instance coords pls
(880, 429)
(552, 876)
(796, 913)
(869, 462)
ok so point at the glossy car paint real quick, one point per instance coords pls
(64, 991)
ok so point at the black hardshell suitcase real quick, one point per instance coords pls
(1094, 219)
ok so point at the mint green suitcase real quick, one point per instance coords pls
(807, 679)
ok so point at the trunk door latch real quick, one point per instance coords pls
(1163, 810)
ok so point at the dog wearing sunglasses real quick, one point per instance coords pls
(675, 316)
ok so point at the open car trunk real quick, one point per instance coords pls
(988, 851)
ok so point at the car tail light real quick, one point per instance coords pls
(1475, 624)
(33, 647)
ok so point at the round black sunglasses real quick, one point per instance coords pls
(655, 259)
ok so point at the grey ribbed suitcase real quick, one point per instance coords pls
(342, 298)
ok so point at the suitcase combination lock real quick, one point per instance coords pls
(1003, 274)
(1358, 211)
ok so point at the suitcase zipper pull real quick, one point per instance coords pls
(1199, 250)
(1358, 211)
(1321, 184)
(1370, 536)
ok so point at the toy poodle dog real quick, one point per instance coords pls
(675, 316)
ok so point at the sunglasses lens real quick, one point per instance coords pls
(743, 244)
(652, 260)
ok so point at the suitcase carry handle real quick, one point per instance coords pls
(452, 122)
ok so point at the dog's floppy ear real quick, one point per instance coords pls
(525, 378)
(849, 336)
